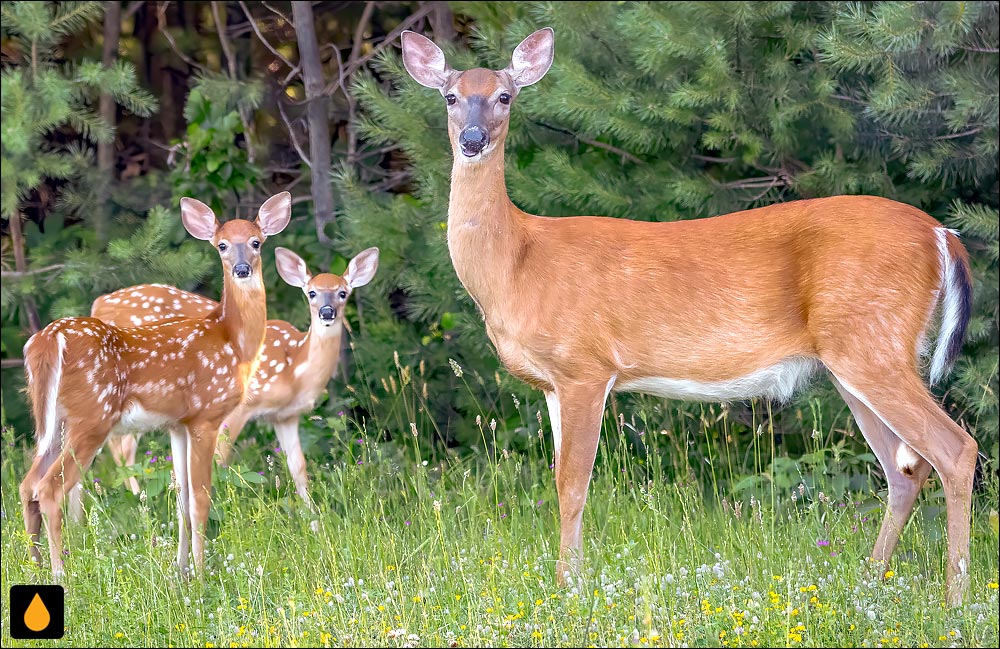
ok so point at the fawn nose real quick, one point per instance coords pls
(241, 270)
(327, 313)
(473, 140)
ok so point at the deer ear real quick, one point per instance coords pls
(274, 214)
(362, 268)
(199, 219)
(291, 267)
(532, 58)
(424, 61)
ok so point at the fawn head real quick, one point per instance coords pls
(327, 292)
(478, 100)
(238, 241)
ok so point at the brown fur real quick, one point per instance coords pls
(578, 305)
(286, 396)
(188, 372)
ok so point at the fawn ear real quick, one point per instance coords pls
(275, 214)
(291, 267)
(532, 58)
(424, 61)
(362, 268)
(199, 219)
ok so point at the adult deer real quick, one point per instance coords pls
(294, 366)
(742, 305)
(89, 379)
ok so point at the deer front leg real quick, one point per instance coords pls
(575, 411)
(230, 430)
(123, 448)
(287, 431)
(179, 451)
(201, 450)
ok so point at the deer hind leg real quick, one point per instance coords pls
(29, 500)
(905, 472)
(179, 451)
(577, 414)
(287, 431)
(62, 476)
(901, 401)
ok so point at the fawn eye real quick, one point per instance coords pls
(504, 98)
(312, 294)
(343, 295)
(255, 244)
(451, 99)
(223, 247)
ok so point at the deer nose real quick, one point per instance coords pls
(241, 270)
(473, 140)
(327, 313)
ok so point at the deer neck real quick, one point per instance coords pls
(243, 315)
(318, 354)
(485, 229)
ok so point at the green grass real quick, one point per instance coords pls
(461, 551)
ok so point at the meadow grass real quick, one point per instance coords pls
(460, 551)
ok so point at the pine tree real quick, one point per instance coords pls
(50, 128)
(663, 111)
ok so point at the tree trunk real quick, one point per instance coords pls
(442, 21)
(21, 265)
(106, 150)
(319, 126)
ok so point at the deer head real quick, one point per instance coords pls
(238, 241)
(478, 100)
(326, 292)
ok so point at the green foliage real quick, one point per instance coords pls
(210, 163)
(460, 551)
(41, 95)
(662, 111)
(49, 128)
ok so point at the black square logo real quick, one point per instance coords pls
(37, 612)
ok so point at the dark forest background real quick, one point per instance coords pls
(111, 111)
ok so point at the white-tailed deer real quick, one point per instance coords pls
(89, 379)
(737, 306)
(294, 366)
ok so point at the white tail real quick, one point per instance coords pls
(88, 379)
(294, 366)
(732, 307)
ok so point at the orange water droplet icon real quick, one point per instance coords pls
(37, 616)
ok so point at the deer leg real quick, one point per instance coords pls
(29, 500)
(229, 432)
(179, 451)
(60, 478)
(577, 415)
(900, 400)
(201, 451)
(905, 472)
(76, 503)
(287, 431)
(123, 448)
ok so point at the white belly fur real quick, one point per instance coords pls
(777, 382)
(136, 419)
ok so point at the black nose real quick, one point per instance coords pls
(327, 312)
(241, 270)
(473, 140)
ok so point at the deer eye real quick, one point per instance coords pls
(312, 294)
(451, 99)
(223, 247)
(255, 244)
(343, 295)
(504, 98)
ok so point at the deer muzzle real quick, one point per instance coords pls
(473, 139)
